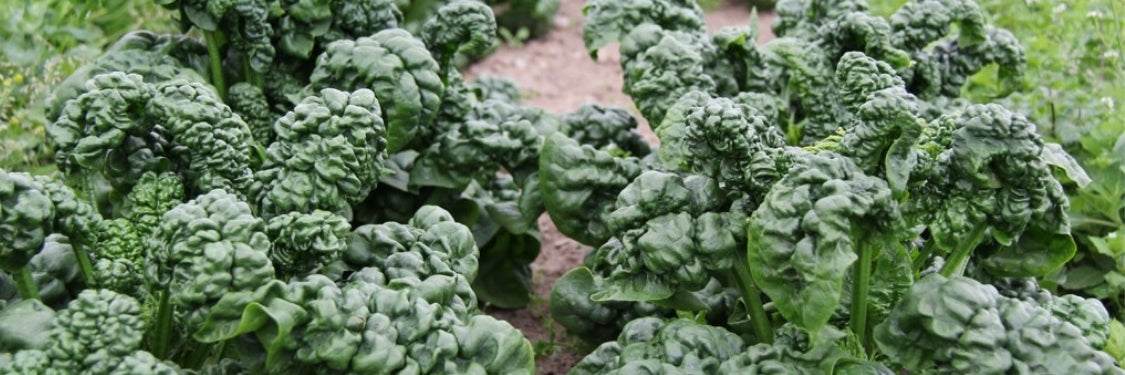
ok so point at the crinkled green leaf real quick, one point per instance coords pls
(205, 249)
(983, 168)
(959, 325)
(466, 27)
(398, 68)
(304, 242)
(578, 186)
(303, 22)
(671, 233)
(609, 21)
(329, 154)
(603, 127)
(592, 321)
(651, 345)
(810, 229)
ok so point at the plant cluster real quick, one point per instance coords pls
(271, 194)
(531, 18)
(1070, 90)
(314, 188)
(1075, 95)
(828, 202)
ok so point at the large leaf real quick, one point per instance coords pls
(398, 68)
(579, 185)
(24, 325)
(265, 312)
(504, 277)
(1037, 253)
(803, 240)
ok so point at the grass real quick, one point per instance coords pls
(41, 43)
(1074, 70)
(1072, 85)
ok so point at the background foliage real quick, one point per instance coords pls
(41, 43)
(1073, 90)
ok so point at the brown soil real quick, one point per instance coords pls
(556, 74)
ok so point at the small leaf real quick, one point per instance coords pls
(638, 288)
(24, 325)
(1036, 253)
(1115, 346)
(1083, 277)
(427, 173)
(1059, 158)
(683, 301)
(504, 276)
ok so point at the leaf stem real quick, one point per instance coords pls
(957, 262)
(446, 61)
(84, 264)
(922, 255)
(861, 287)
(251, 76)
(163, 331)
(216, 63)
(77, 240)
(753, 300)
(26, 284)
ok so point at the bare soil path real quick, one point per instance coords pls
(555, 73)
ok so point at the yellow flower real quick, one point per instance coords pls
(19, 78)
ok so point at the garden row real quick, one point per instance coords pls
(313, 188)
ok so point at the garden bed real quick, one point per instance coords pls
(555, 73)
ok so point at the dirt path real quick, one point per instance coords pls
(556, 74)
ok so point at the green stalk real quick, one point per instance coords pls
(251, 76)
(25, 284)
(955, 265)
(216, 63)
(753, 299)
(860, 290)
(923, 254)
(84, 263)
(794, 132)
(83, 257)
(446, 61)
(163, 331)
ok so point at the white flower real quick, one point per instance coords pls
(1094, 14)
(1059, 8)
(1108, 101)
